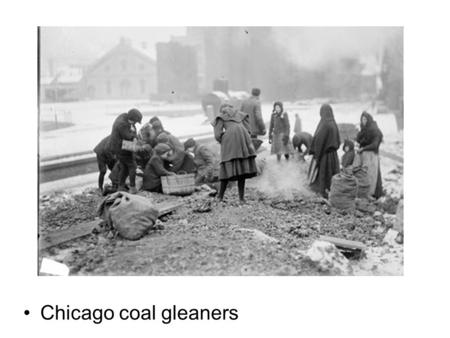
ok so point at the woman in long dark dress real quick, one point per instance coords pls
(232, 131)
(324, 146)
(369, 139)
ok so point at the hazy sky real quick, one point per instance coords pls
(312, 46)
(88, 43)
(306, 46)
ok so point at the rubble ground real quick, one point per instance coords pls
(269, 235)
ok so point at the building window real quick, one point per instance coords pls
(142, 83)
(108, 87)
(123, 63)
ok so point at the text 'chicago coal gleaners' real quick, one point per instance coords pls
(166, 315)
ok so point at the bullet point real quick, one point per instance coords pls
(26, 312)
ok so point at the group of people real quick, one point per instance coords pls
(159, 153)
(326, 141)
(323, 145)
(155, 153)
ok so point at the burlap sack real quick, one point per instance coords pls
(343, 191)
(131, 215)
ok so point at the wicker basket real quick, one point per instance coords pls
(129, 145)
(182, 184)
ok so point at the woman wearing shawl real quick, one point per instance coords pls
(232, 131)
(324, 148)
(369, 139)
(279, 131)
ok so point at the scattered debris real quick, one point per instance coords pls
(350, 249)
(270, 235)
(328, 258)
(204, 207)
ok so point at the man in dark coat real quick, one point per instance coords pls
(252, 107)
(105, 160)
(324, 146)
(124, 129)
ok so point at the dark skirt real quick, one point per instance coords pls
(328, 167)
(237, 168)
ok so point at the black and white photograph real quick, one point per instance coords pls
(220, 151)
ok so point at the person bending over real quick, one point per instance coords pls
(301, 139)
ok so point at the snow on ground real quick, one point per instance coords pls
(93, 120)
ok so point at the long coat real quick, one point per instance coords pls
(252, 107)
(279, 131)
(232, 131)
(324, 146)
(121, 130)
(279, 124)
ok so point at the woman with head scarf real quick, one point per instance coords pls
(324, 146)
(156, 167)
(279, 131)
(369, 139)
(232, 131)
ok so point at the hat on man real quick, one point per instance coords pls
(256, 91)
(135, 115)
